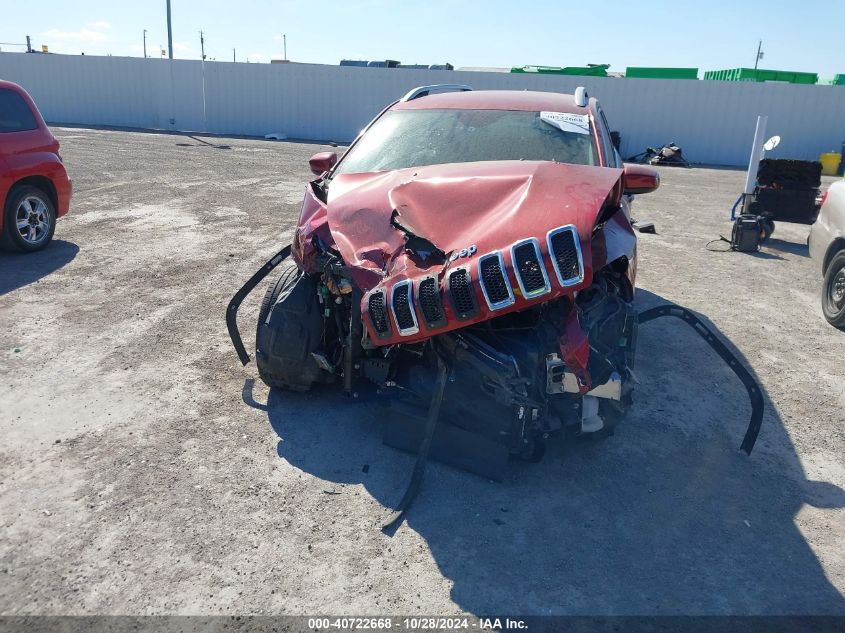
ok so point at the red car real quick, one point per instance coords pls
(471, 259)
(34, 187)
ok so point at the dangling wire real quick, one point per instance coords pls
(721, 238)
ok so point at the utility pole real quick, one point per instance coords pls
(169, 33)
(234, 57)
(145, 43)
(759, 54)
(285, 46)
(202, 70)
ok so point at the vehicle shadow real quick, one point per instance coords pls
(665, 517)
(764, 255)
(788, 247)
(20, 269)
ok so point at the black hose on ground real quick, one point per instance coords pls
(425, 447)
(240, 295)
(755, 394)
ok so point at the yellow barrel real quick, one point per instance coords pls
(830, 163)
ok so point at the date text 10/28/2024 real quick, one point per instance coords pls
(417, 623)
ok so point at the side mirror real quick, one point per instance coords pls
(639, 179)
(322, 162)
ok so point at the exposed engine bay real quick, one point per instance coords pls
(509, 383)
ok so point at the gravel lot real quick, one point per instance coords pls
(143, 470)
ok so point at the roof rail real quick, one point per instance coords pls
(423, 91)
(581, 97)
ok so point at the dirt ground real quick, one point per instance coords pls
(144, 471)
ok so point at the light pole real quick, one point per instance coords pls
(202, 71)
(759, 54)
(145, 43)
(169, 33)
(285, 46)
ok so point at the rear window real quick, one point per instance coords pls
(413, 138)
(15, 115)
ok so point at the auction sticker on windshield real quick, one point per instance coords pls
(567, 122)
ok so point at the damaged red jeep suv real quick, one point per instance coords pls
(471, 260)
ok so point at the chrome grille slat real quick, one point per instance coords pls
(461, 294)
(402, 307)
(431, 306)
(377, 309)
(494, 281)
(565, 253)
(527, 260)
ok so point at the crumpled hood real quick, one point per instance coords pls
(488, 204)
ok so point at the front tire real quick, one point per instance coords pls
(29, 220)
(289, 328)
(833, 291)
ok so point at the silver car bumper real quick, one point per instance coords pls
(819, 240)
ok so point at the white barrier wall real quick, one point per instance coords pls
(713, 121)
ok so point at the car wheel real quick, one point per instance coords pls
(289, 329)
(833, 291)
(29, 219)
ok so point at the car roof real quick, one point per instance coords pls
(527, 100)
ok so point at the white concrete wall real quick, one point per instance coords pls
(712, 121)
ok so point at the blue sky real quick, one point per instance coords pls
(708, 35)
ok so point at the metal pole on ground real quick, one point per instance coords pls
(754, 160)
(145, 43)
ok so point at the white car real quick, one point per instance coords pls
(827, 247)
